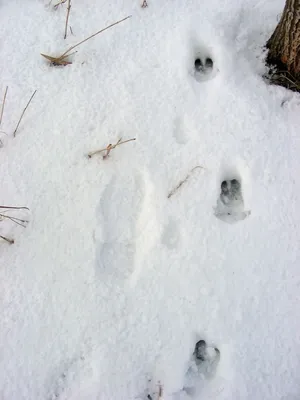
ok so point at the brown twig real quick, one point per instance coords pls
(17, 221)
(10, 241)
(109, 148)
(67, 18)
(173, 191)
(71, 30)
(15, 208)
(15, 131)
(145, 4)
(160, 392)
(3, 104)
(59, 4)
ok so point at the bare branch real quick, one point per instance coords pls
(17, 221)
(15, 208)
(109, 148)
(67, 18)
(59, 4)
(3, 104)
(15, 131)
(173, 191)
(160, 392)
(10, 241)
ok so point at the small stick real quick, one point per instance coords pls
(15, 208)
(15, 131)
(71, 30)
(17, 221)
(109, 148)
(173, 191)
(10, 241)
(97, 33)
(145, 4)
(67, 18)
(3, 104)
(160, 392)
(58, 4)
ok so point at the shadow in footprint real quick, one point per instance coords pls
(202, 367)
(204, 66)
(230, 204)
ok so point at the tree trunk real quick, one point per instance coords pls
(284, 44)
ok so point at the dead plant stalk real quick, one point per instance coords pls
(67, 18)
(60, 60)
(10, 241)
(3, 104)
(173, 191)
(15, 131)
(109, 148)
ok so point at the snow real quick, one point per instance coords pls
(111, 284)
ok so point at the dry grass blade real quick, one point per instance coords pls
(173, 191)
(18, 221)
(60, 60)
(15, 131)
(285, 79)
(95, 34)
(109, 148)
(67, 18)
(3, 104)
(10, 241)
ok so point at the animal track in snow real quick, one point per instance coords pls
(204, 65)
(171, 235)
(202, 367)
(126, 218)
(120, 205)
(178, 131)
(230, 204)
(67, 375)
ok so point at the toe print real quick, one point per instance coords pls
(230, 205)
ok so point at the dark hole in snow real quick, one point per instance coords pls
(198, 64)
(208, 63)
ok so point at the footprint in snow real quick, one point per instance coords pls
(128, 225)
(204, 68)
(202, 367)
(171, 234)
(230, 204)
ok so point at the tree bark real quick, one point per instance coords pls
(284, 44)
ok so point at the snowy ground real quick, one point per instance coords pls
(107, 290)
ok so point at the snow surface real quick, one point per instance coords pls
(109, 287)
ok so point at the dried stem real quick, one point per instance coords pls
(15, 208)
(109, 148)
(15, 131)
(17, 221)
(58, 4)
(3, 104)
(173, 191)
(10, 241)
(160, 392)
(67, 18)
(97, 33)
